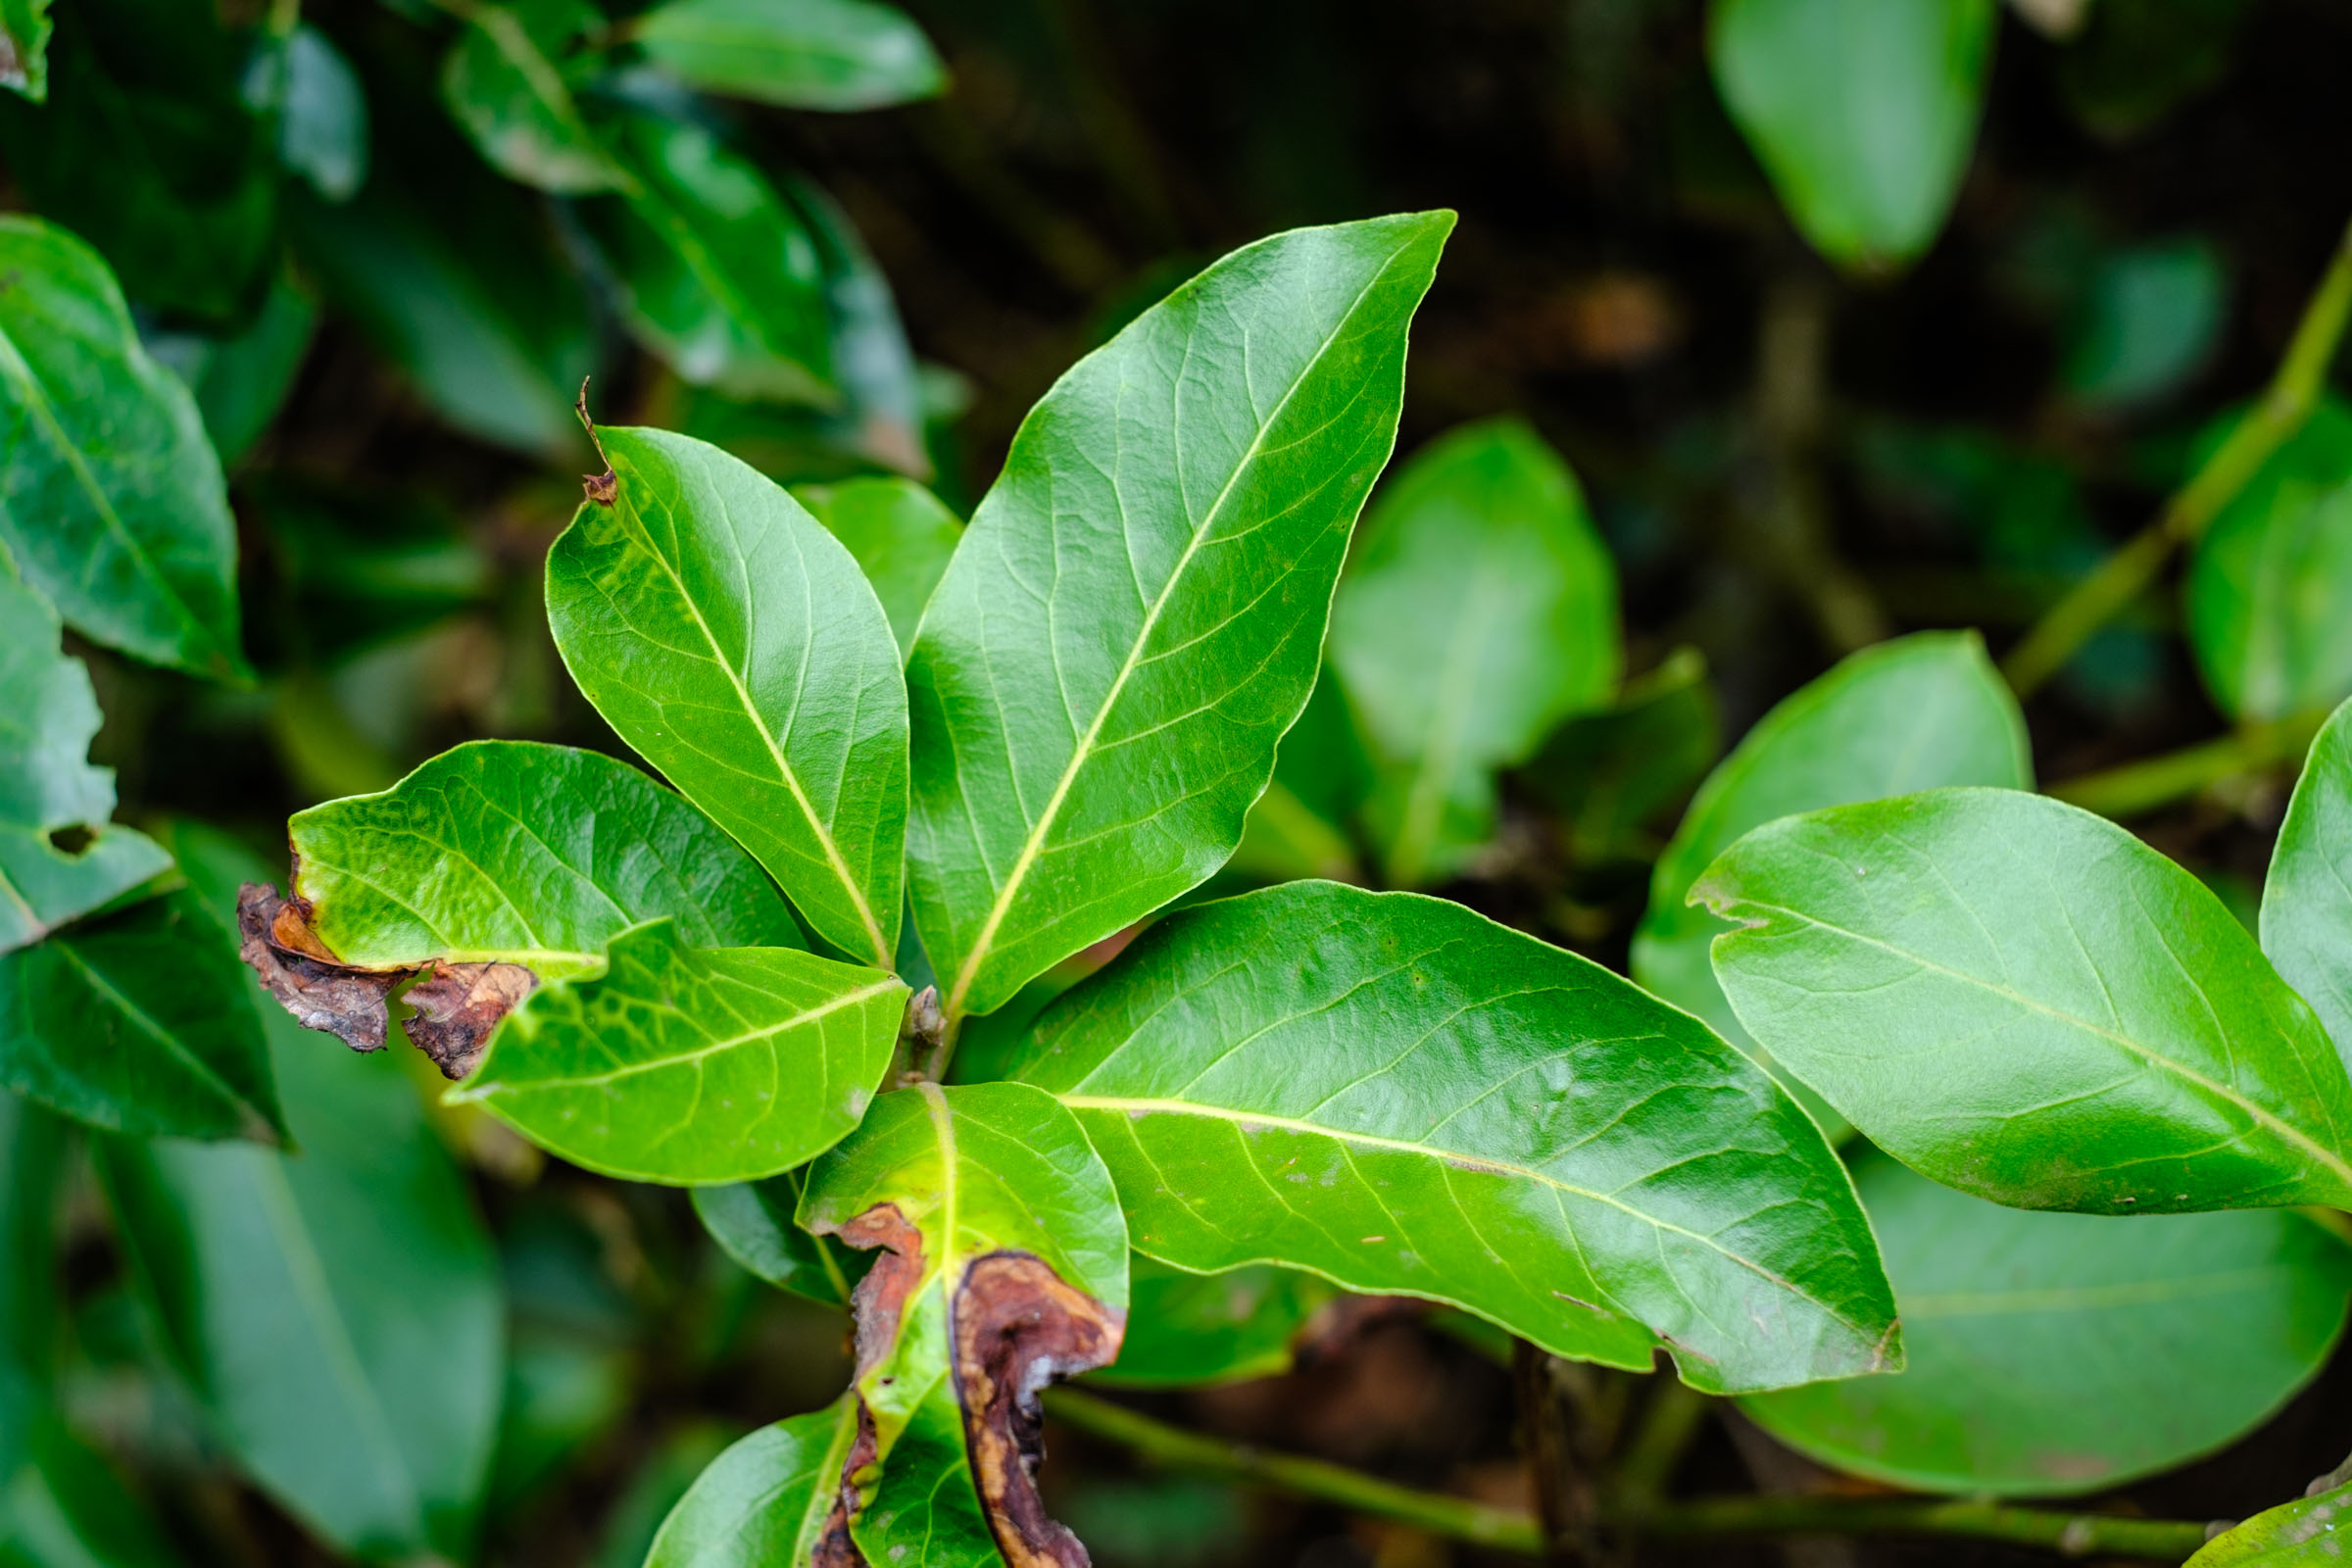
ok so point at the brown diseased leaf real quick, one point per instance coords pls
(457, 1007)
(877, 1303)
(1017, 1327)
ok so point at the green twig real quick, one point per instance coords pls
(2280, 411)
(2137, 788)
(2074, 1534)
(1670, 1422)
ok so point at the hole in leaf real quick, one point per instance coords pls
(72, 842)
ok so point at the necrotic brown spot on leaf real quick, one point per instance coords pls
(296, 968)
(878, 1302)
(457, 1007)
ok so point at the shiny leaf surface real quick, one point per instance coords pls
(1479, 609)
(763, 1503)
(1135, 615)
(682, 1064)
(1417, 1100)
(734, 643)
(2306, 899)
(901, 535)
(808, 54)
(2022, 1001)
(2304, 1534)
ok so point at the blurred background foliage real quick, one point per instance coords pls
(1772, 329)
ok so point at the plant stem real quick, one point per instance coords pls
(1455, 1518)
(1670, 1422)
(2137, 788)
(2074, 1534)
(2266, 426)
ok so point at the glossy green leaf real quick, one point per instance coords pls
(1185, 1329)
(67, 1508)
(527, 853)
(712, 269)
(1135, 615)
(1414, 1100)
(2308, 1533)
(303, 83)
(763, 1503)
(804, 54)
(2022, 1001)
(48, 715)
(1915, 714)
(111, 500)
(753, 1222)
(2270, 592)
(684, 1065)
(335, 1311)
(25, 47)
(2068, 1353)
(505, 83)
(140, 1022)
(1610, 774)
(1863, 111)
(1479, 609)
(241, 381)
(2306, 899)
(901, 535)
(734, 643)
(146, 150)
(983, 1184)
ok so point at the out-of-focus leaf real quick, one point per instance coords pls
(561, 1395)
(1480, 610)
(507, 850)
(660, 1484)
(754, 1222)
(1134, 617)
(1185, 1329)
(508, 83)
(1007, 1265)
(765, 1502)
(1321, 777)
(734, 643)
(145, 148)
(2149, 319)
(900, 535)
(688, 1065)
(802, 54)
(49, 793)
(354, 569)
(304, 84)
(65, 1508)
(2308, 1533)
(2138, 60)
(2022, 1001)
(1911, 714)
(2270, 592)
(2306, 899)
(1611, 773)
(336, 1311)
(2059, 1353)
(712, 267)
(111, 500)
(241, 381)
(1414, 1100)
(32, 1147)
(25, 47)
(458, 284)
(1863, 111)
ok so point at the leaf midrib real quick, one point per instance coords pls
(1034, 844)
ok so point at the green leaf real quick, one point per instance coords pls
(67, 1508)
(511, 852)
(505, 87)
(1610, 774)
(25, 47)
(1863, 111)
(241, 381)
(1134, 617)
(1007, 1264)
(32, 1151)
(1185, 1329)
(146, 150)
(2304, 1534)
(765, 1502)
(713, 271)
(1417, 1100)
(1909, 715)
(305, 84)
(336, 1311)
(2306, 899)
(48, 715)
(1321, 775)
(2270, 592)
(812, 54)
(682, 1064)
(901, 535)
(2055, 1353)
(2022, 1001)
(1480, 610)
(2149, 321)
(110, 499)
(753, 1222)
(734, 643)
(140, 1022)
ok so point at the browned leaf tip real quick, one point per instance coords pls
(877, 1303)
(1017, 1326)
(602, 487)
(458, 1005)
